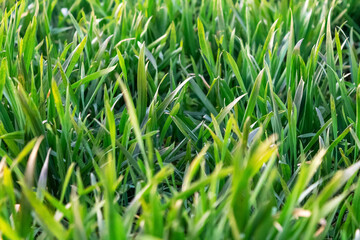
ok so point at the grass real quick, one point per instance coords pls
(179, 119)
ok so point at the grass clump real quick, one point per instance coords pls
(179, 119)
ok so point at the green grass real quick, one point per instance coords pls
(179, 119)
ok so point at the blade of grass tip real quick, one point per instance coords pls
(133, 118)
(253, 97)
(66, 181)
(24, 223)
(262, 154)
(339, 138)
(267, 41)
(74, 99)
(339, 51)
(74, 57)
(122, 64)
(168, 121)
(194, 166)
(218, 174)
(216, 128)
(202, 97)
(141, 85)
(225, 111)
(30, 167)
(131, 160)
(41, 186)
(93, 76)
(98, 86)
(172, 37)
(162, 107)
(236, 71)
(315, 138)
(231, 42)
(299, 95)
(184, 129)
(24, 152)
(228, 129)
(204, 45)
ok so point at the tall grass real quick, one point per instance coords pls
(179, 119)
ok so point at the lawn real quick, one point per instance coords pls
(179, 119)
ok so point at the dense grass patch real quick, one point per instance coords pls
(179, 119)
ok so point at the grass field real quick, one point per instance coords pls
(179, 119)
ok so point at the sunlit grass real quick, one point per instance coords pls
(179, 119)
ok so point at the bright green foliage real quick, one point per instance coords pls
(179, 119)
